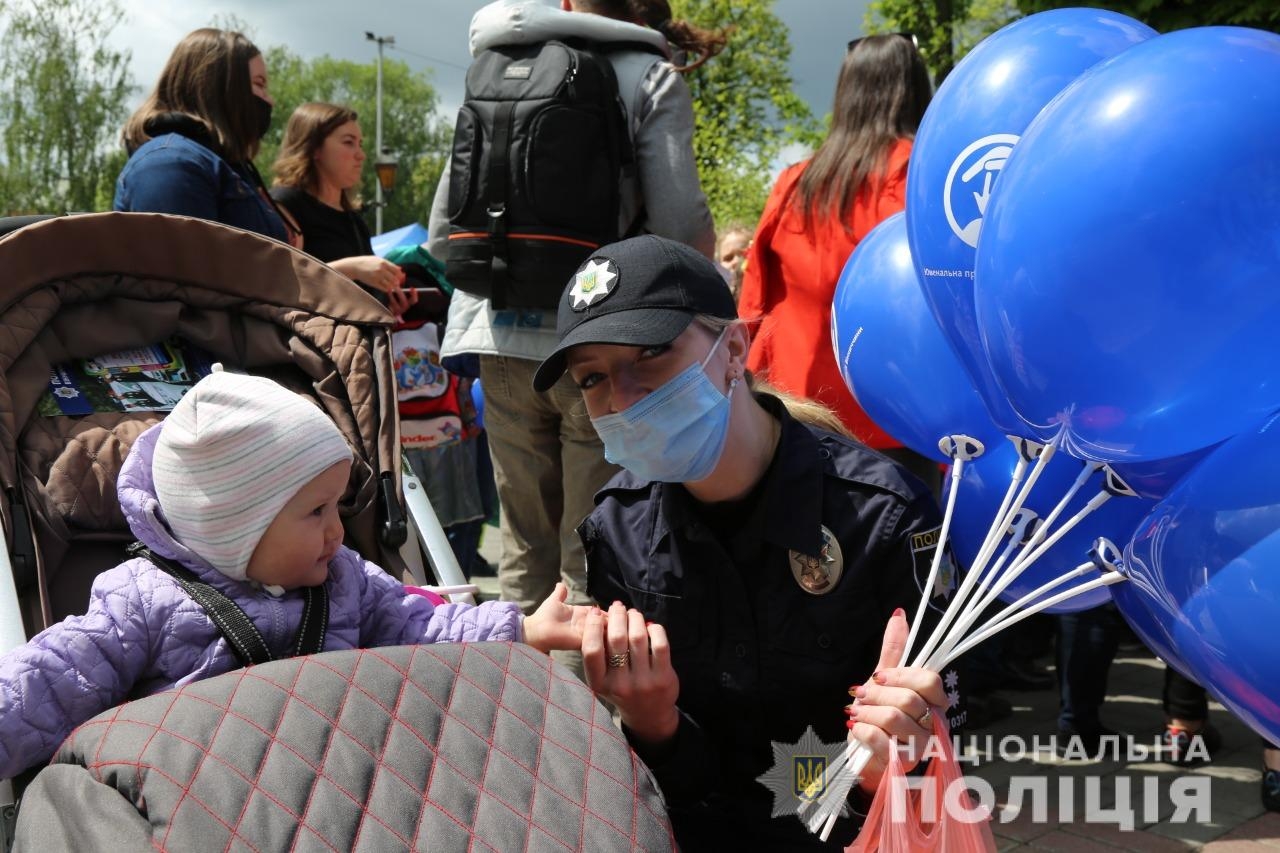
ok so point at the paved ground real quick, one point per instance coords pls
(1234, 821)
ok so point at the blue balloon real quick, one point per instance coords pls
(983, 485)
(1156, 478)
(1126, 274)
(477, 400)
(1136, 599)
(1206, 566)
(967, 134)
(891, 353)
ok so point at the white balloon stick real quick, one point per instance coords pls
(971, 578)
(957, 470)
(1105, 580)
(954, 639)
(1011, 574)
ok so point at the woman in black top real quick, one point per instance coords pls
(749, 557)
(319, 165)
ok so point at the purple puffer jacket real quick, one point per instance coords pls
(142, 634)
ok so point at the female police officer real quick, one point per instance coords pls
(751, 561)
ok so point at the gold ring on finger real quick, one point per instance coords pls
(924, 719)
(619, 661)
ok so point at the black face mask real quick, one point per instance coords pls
(262, 110)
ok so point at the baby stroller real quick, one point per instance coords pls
(82, 287)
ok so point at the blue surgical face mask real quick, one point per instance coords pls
(675, 434)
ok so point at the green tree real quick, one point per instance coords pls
(984, 18)
(410, 126)
(934, 23)
(1166, 15)
(63, 96)
(947, 29)
(745, 111)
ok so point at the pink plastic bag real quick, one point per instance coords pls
(922, 814)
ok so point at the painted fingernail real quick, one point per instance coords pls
(877, 678)
(849, 711)
(849, 724)
(860, 692)
(899, 612)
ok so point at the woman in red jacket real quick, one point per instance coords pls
(818, 212)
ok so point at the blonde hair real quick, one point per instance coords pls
(803, 409)
(736, 228)
(806, 411)
(304, 135)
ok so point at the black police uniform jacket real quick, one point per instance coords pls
(759, 658)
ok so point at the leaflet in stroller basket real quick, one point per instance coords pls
(78, 288)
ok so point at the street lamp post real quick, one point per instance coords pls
(377, 144)
(385, 167)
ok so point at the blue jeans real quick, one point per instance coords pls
(464, 538)
(1087, 643)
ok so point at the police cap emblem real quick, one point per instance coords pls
(594, 281)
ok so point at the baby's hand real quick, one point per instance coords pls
(556, 625)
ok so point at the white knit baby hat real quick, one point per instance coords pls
(232, 453)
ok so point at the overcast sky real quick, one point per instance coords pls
(432, 35)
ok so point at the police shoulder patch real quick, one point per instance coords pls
(924, 546)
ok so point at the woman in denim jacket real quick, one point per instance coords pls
(191, 143)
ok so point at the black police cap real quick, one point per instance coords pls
(643, 291)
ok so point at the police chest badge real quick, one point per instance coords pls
(594, 281)
(819, 575)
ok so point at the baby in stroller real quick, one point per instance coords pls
(294, 753)
(234, 498)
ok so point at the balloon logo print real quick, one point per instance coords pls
(981, 163)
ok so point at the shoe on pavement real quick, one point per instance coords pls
(1178, 746)
(1271, 790)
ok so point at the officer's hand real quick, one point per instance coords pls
(628, 663)
(893, 704)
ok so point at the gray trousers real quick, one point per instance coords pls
(548, 463)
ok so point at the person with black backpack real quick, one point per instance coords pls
(576, 130)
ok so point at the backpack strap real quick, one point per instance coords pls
(498, 159)
(243, 637)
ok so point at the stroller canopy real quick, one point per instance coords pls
(78, 287)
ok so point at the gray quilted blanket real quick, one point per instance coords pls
(485, 746)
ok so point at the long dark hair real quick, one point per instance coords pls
(207, 79)
(881, 96)
(699, 43)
